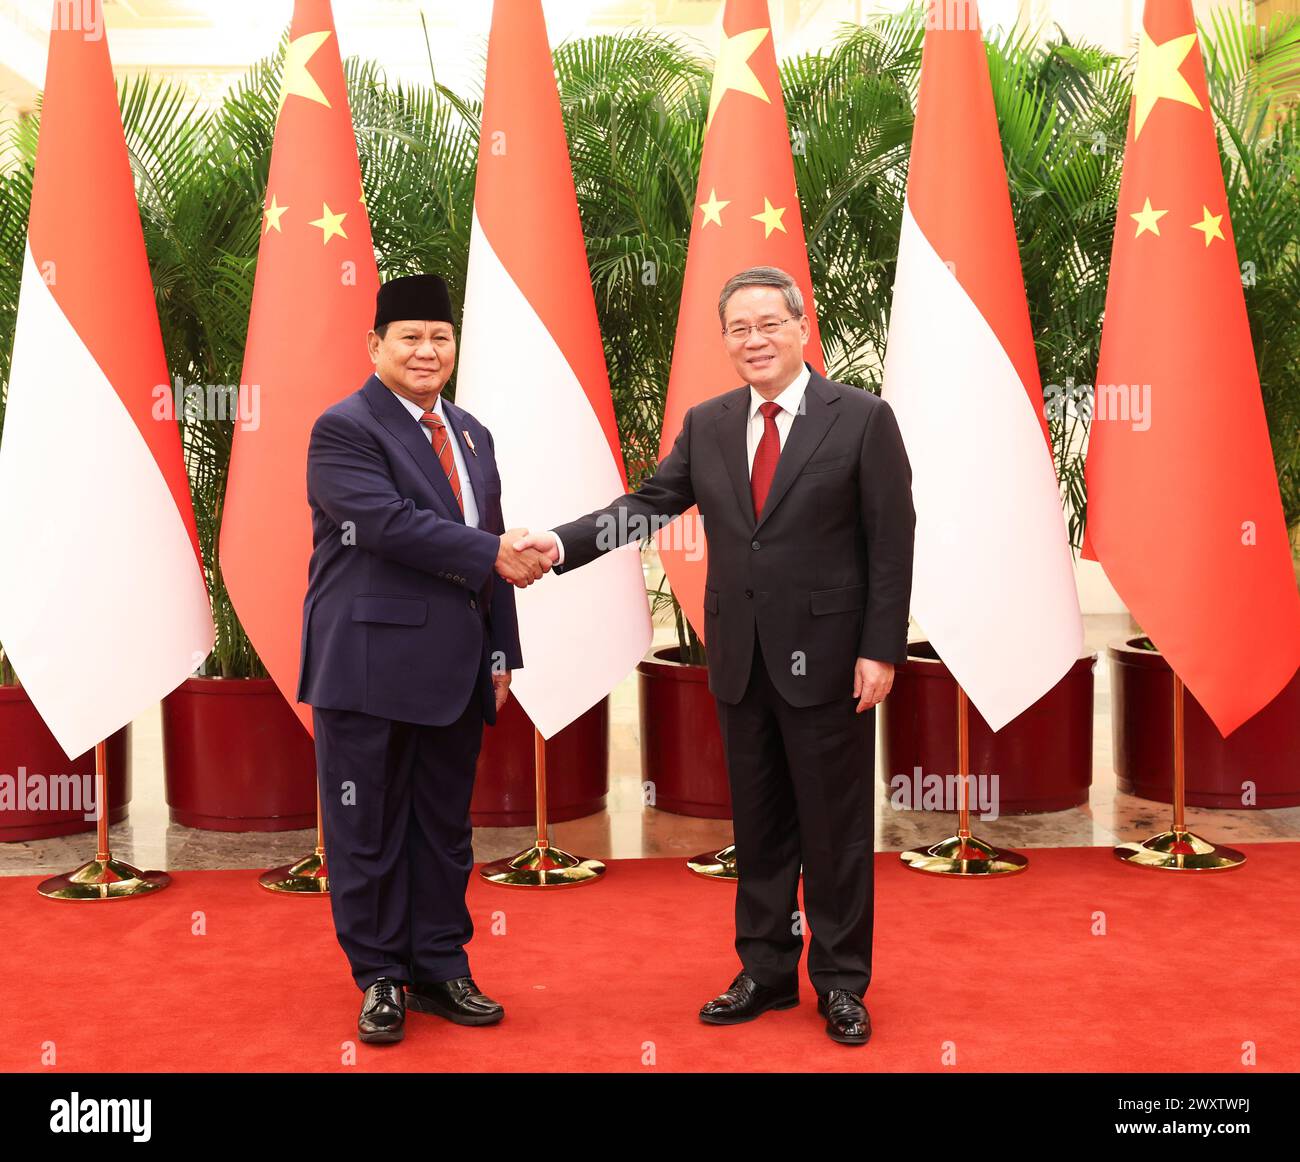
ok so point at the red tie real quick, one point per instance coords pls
(442, 446)
(765, 457)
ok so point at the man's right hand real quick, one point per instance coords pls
(520, 567)
(543, 543)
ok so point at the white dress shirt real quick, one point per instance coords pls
(791, 403)
(466, 488)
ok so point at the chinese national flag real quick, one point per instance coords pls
(313, 302)
(1184, 512)
(746, 214)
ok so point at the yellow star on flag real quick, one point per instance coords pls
(1209, 225)
(712, 209)
(732, 70)
(1158, 76)
(330, 223)
(272, 215)
(1148, 220)
(362, 187)
(771, 219)
(298, 82)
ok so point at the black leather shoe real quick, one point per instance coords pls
(847, 1020)
(746, 999)
(458, 1000)
(383, 1012)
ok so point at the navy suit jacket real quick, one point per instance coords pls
(405, 614)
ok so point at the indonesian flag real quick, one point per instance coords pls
(103, 605)
(1184, 512)
(993, 580)
(532, 369)
(313, 302)
(746, 214)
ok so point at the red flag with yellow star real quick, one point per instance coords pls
(313, 302)
(746, 214)
(1184, 512)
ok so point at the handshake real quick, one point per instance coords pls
(524, 556)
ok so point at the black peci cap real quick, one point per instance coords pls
(414, 296)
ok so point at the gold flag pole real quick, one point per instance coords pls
(309, 876)
(1179, 849)
(542, 866)
(964, 854)
(715, 865)
(103, 878)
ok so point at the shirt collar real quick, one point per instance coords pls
(416, 410)
(789, 399)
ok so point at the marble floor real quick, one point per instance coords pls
(627, 829)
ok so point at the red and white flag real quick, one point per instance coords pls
(532, 369)
(746, 214)
(313, 302)
(993, 581)
(1184, 512)
(103, 605)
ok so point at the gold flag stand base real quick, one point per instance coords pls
(1179, 851)
(307, 877)
(715, 865)
(964, 856)
(542, 866)
(103, 879)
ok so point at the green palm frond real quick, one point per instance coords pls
(634, 106)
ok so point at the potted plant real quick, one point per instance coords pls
(1257, 765)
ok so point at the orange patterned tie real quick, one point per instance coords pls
(442, 446)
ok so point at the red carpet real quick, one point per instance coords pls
(1005, 976)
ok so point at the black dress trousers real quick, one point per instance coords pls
(802, 793)
(398, 841)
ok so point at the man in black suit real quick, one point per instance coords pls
(804, 488)
(408, 639)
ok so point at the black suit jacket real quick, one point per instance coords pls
(824, 574)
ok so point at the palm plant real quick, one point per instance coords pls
(634, 107)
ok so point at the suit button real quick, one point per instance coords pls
(749, 593)
(753, 544)
(473, 604)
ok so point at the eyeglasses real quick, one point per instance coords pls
(740, 332)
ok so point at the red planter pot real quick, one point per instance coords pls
(26, 742)
(1264, 750)
(236, 757)
(681, 745)
(1043, 758)
(577, 769)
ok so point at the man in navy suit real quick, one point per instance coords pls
(408, 640)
